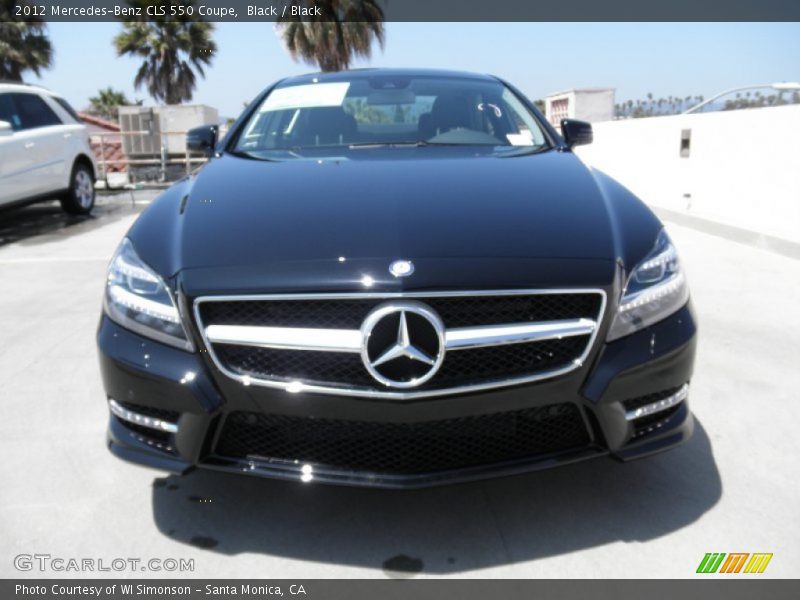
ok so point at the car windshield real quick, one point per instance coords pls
(388, 111)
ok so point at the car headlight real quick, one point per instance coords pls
(138, 299)
(655, 289)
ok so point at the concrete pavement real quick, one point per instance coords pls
(732, 488)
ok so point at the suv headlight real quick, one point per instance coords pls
(655, 289)
(138, 299)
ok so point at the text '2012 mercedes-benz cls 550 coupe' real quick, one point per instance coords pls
(394, 278)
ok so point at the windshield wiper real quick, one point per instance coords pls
(521, 151)
(250, 156)
(417, 144)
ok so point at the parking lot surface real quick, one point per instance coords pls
(732, 488)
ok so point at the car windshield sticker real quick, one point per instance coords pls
(523, 138)
(306, 96)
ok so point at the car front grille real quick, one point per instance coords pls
(459, 368)
(456, 311)
(491, 365)
(404, 448)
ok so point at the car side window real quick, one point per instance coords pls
(8, 112)
(33, 112)
(67, 107)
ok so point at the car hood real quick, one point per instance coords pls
(499, 221)
(247, 211)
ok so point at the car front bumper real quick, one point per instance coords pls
(157, 382)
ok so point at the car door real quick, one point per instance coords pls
(74, 134)
(15, 163)
(44, 141)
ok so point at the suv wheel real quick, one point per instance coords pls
(79, 198)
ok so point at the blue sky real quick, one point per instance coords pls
(677, 59)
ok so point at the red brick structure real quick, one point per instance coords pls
(111, 144)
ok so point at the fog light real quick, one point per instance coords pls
(660, 405)
(139, 419)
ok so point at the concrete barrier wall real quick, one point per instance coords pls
(743, 167)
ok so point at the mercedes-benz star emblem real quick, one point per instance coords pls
(401, 268)
(402, 343)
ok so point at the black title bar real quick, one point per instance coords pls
(709, 588)
(413, 10)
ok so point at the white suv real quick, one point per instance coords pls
(44, 150)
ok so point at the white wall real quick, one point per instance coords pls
(743, 168)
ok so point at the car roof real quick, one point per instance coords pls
(366, 73)
(20, 86)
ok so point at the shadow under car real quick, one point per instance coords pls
(447, 529)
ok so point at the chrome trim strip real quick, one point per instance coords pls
(660, 405)
(515, 333)
(286, 338)
(298, 386)
(390, 295)
(349, 340)
(139, 419)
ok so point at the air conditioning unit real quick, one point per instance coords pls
(144, 121)
(165, 125)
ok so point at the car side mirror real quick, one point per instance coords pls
(576, 133)
(202, 139)
(6, 128)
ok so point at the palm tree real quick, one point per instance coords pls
(345, 31)
(107, 102)
(171, 49)
(24, 46)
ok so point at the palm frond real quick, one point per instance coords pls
(346, 30)
(174, 50)
(24, 45)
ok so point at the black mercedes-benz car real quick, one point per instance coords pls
(394, 278)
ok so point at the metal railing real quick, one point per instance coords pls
(162, 161)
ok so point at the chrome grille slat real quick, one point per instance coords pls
(349, 340)
(240, 322)
(286, 338)
(464, 338)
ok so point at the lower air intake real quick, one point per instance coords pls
(405, 448)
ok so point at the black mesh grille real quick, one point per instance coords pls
(460, 311)
(289, 365)
(514, 360)
(461, 367)
(405, 448)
